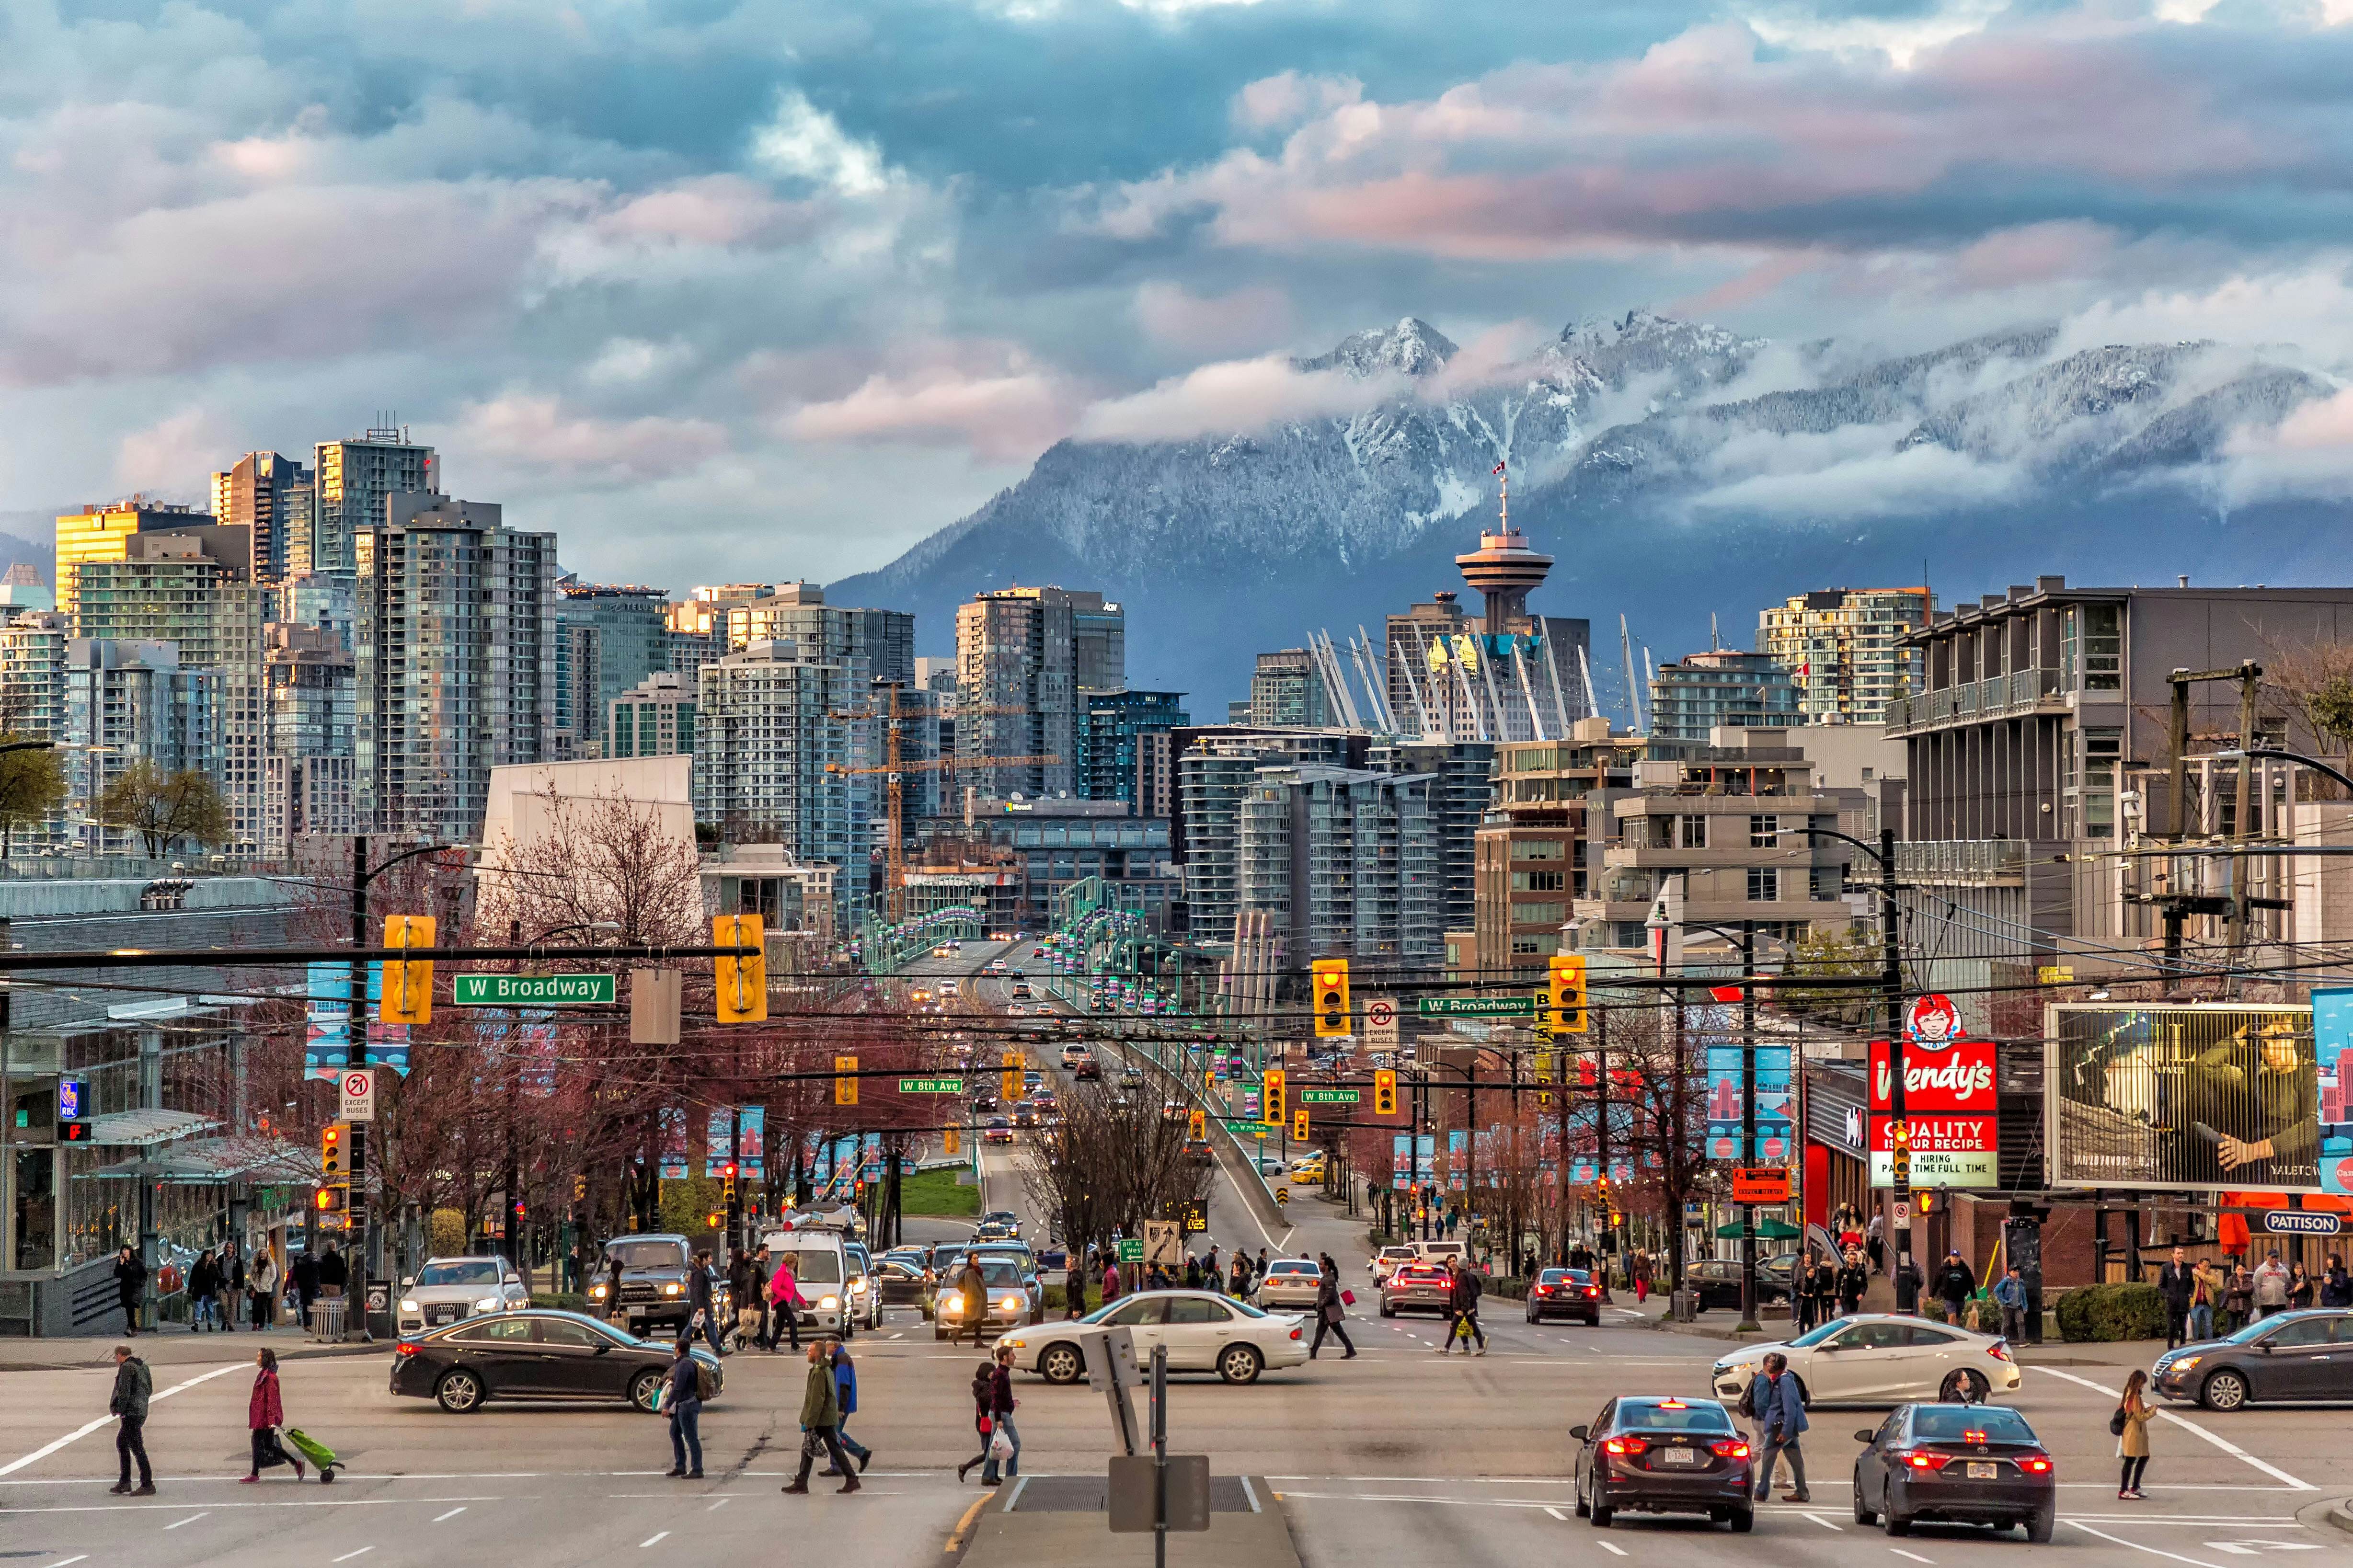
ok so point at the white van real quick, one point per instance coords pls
(821, 1267)
(1439, 1251)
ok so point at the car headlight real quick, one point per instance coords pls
(673, 1289)
(2185, 1363)
(857, 1287)
(596, 1292)
(951, 1308)
(828, 1302)
(1015, 1344)
(487, 1304)
(407, 1306)
(1010, 1301)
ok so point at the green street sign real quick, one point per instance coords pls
(1131, 1250)
(1327, 1097)
(533, 990)
(1477, 1006)
(931, 1086)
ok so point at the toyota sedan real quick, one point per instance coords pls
(535, 1353)
(1881, 1358)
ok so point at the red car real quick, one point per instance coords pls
(1566, 1293)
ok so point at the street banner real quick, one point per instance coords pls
(1727, 1100)
(673, 1156)
(2190, 1097)
(327, 1024)
(1458, 1150)
(1401, 1160)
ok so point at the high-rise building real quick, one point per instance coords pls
(104, 533)
(455, 658)
(273, 496)
(127, 704)
(1844, 647)
(1723, 686)
(1115, 751)
(1215, 767)
(654, 717)
(351, 480)
(1026, 660)
(1461, 785)
(631, 641)
(322, 599)
(32, 674)
(771, 755)
(1288, 689)
(310, 771)
(1346, 862)
(1542, 840)
(192, 589)
(693, 635)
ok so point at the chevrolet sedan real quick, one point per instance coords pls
(1954, 1464)
(535, 1353)
(1663, 1456)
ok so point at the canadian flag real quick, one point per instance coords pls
(1499, 467)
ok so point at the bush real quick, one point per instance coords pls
(2109, 1312)
(560, 1300)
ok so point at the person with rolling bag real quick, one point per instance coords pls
(264, 1414)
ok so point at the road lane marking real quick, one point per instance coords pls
(649, 1539)
(347, 1556)
(1614, 1551)
(718, 1504)
(190, 1520)
(2220, 1442)
(1557, 1514)
(963, 1525)
(38, 1455)
(1914, 1555)
(1825, 1523)
(69, 1561)
(2137, 1546)
(451, 1514)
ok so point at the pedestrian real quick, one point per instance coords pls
(984, 1395)
(741, 1292)
(1825, 1288)
(1850, 1283)
(1237, 1285)
(972, 1292)
(1192, 1272)
(698, 1301)
(2130, 1424)
(261, 1281)
(1907, 1287)
(1462, 1309)
(130, 1285)
(1331, 1312)
(303, 1274)
(1955, 1285)
(1803, 1307)
(2177, 1286)
(1875, 1243)
(785, 1303)
(1000, 1415)
(1641, 1271)
(203, 1293)
(2336, 1284)
(1258, 1270)
(2010, 1295)
(1074, 1288)
(333, 1276)
(1581, 1256)
(232, 1266)
(1212, 1267)
(2271, 1285)
(844, 1388)
(613, 1308)
(134, 1386)
(821, 1422)
(2299, 1289)
(754, 1304)
(2205, 1295)
(1780, 1423)
(2239, 1299)
(264, 1414)
(682, 1397)
(1109, 1282)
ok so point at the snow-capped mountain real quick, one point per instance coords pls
(1671, 468)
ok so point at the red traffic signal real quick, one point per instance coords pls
(727, 1170)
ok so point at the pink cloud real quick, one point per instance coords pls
(1225, 323)
(529, 431)
(1000, 403)
(1234, 394)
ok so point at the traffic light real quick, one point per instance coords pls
(331, 1200)
(1899, 1160)
(579, 1189)
(743, 982)
(1271, 1098)
(332, 1145)
(1385, 1092)
(845, 1083)
(1197, 1126)
(1299, 1125)
(1010, 1086)
(1330, 977)
(1924, 1201)
(1565, 1004)
(407, 994)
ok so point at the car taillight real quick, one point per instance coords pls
(2034, 1464)
(1920, 1459)
(1544, 1290)
(1623, 1445)
(1294, 1333)
(403, 1348)
(1728, 1448)
(1999, 1350)
(1593, 1290)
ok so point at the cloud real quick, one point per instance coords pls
(1227, 323)
(2309, 453)
(992, 399)
(166, 456)
(528, 433)
(804, 142)
(1825, 479)
(1234, 395)
(1286, 98)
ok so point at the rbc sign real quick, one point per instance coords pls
(71, 1092)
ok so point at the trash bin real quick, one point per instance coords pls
(1685, 1307)
(327, 1318)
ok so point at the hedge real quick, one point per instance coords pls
(2107, 1313)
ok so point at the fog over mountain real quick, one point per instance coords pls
(1672, 468)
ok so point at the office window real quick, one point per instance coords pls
(1764, 884)
(1694, 832)
(1537, 881)
(1763, 832)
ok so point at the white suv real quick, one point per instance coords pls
(449, 1288)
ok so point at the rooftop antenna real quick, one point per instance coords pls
(1633, 693)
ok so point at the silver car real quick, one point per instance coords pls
(1290, 1282)
(449, 1288)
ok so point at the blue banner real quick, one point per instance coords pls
(1727, 1100)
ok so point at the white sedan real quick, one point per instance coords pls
(1203, 1332)
(1881, 1358)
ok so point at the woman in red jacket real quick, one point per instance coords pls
(264, 1414)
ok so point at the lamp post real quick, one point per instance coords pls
(1891, 978)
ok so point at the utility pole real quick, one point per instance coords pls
(357, 1210)
(1602, 1136)
(1747, 1121)
(1891, 974)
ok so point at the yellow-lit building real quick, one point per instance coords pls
(103, 533)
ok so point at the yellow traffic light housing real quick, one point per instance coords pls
(743, 981)
(1299, 1125)
(1565, 999)
(1385, 1092)
(1330, 978)
(1271, 1099)
(845, 1083)
(1197, 1128)
(407, 994)
(950, 1142)
(1009, 1086)
(334, 1142)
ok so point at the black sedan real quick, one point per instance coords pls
(2287, 1356)
(902, 1281)
(1956, 1464)
(535, 1353)
(1663, 1456)
(1715, 1282)
(1566, 1293)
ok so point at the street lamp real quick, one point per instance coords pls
(2237, 753)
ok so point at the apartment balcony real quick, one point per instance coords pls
(2010, 696)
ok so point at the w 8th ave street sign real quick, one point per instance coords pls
(531, 990)
(1327, 1097)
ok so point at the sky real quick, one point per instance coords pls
(754, 291)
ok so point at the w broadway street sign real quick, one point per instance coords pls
(531, 990)
(1477, 1006)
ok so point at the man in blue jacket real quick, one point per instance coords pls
(845, 1382)
(1781, 1422)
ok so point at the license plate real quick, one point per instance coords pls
(1678, 1457)
(442, 1315)
(1983, 1472)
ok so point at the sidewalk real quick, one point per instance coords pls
(169, 1347)
(2052, 1352)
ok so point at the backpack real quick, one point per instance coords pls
(706, 1382)
(2116, 1423)
(1748, 1398)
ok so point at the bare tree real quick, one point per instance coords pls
(1114, 1162)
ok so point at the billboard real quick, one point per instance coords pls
(2196, 1096)
(1948, 1108)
